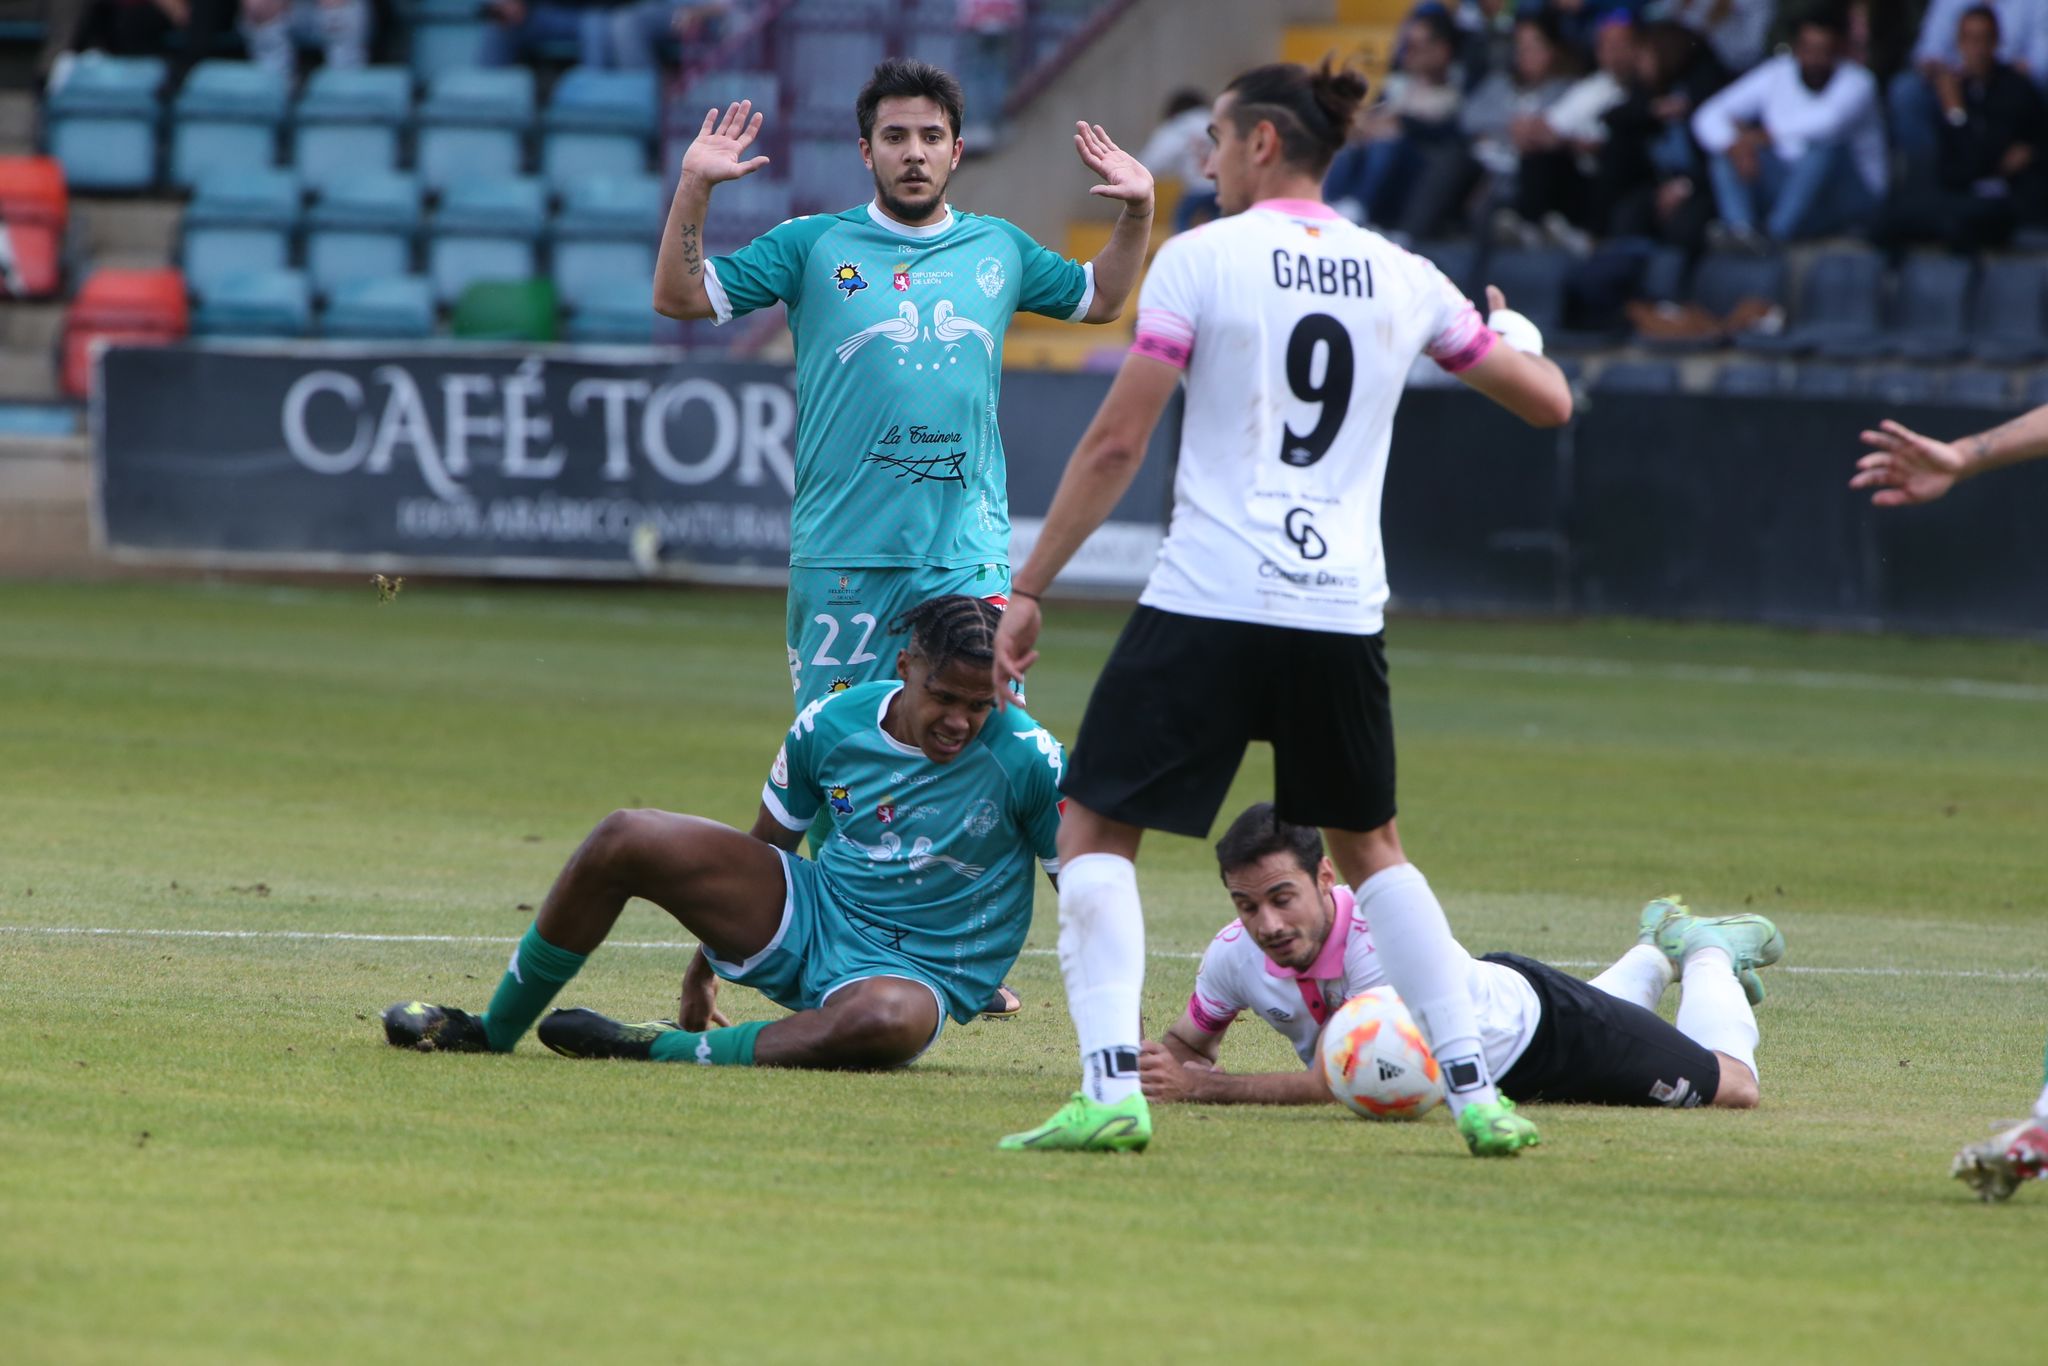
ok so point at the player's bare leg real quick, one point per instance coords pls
(1430, 971)
(1102, 958)
(872, 1024)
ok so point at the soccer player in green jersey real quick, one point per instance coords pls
(898, 308)
(915, 908)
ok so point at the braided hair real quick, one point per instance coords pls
(952, 627)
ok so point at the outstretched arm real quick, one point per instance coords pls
(1181, 1066)
(1906, 467)
(714, 157)
(1126, 180)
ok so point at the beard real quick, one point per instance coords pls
(912, 210)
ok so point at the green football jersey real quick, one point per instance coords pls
(930, 860)
(899, 362)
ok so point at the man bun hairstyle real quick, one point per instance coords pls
(906, 78)
(954, 627)
(1311, 110)
(1259, 831)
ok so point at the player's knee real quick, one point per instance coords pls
(1738, 1089)
(620, 837)
(884, 1028)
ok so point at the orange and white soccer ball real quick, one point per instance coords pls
(1375, 1060)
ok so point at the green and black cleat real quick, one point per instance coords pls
(434, 1029)
(580, 1033)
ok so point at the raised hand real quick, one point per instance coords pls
(715, 156)
(1907, 467)
(1124, 177)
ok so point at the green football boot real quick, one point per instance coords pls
(1086, 1126)
(1491, 1128)
(1750, 941)
(1655, 913)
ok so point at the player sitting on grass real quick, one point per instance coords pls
(914, 910)
(1299, 949)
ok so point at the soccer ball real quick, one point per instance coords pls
(1375, 1060)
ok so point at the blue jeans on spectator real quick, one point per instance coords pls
(1198, 200)
(1915, 119)
(1373, 176)
(1809, 196)
(588, 27)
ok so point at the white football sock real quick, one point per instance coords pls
(1102, 957)
(2041, 1105)
(1712, 1011)
(1431, 971)
(1638, 976)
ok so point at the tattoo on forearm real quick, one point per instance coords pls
(693, 258)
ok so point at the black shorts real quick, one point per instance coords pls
(1594, 1049)
(1182, 696)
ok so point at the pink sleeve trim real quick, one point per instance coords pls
(1168, 349)
(1465, 343)
(1209, 1019)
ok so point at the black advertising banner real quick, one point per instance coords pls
(527, 461)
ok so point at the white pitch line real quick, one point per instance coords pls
(352, 937)
(1737, 675)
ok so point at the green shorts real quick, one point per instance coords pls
(819, 948)
(838, 622)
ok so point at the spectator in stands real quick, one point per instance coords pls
(129, 28)
(698, 26)
(1178, 148)
(1560, 147)
(1541, 70)
(1737, 30)
(1918, 98)
(1990, 134)
(520, 28)
(271, 28)
(1647, 185)
(1796, 147)
(988, 41)
(1581, 20)
(1408, 138)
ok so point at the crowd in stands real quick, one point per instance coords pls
(1737, 124)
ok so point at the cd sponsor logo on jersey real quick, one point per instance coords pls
(988, 273)
(1300, 527)
(846, 279)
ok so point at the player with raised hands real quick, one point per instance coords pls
(1294, 332)
(1905, 467)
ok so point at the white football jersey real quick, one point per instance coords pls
(1236, 976)
(1297, 331)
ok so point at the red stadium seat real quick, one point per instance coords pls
(145, 306)
(34, 208)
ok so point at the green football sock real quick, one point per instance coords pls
(537, 972)
(732, 1047)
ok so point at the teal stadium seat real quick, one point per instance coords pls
(485, 230)
(399, 307)
(608, 229)
(238, 221)
(102, 122)
(257, 303)
(473, 124)
(613, 309)
(446, 35)
(362, 227)
(227, 117)
(598, 123)
(347, 122)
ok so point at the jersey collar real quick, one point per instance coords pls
(882, 710)
(888, 224)
(1330, 962)
(1299, 208)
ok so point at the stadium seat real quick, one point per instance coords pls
(474, 124)
(613, 309)
(819, 58)
(1533, 281)
(35, 208)
(1836, 312)
(1720, 283)
(2006, 322)
(1902, 384)
(1637, 377)
(1751, 379)
(1986, 388)
(717, 89)
(608, 228)
(505, 310)
(485, 230)
(347, 121)
(1930, 309)
(238, 221)
(398, 307)
(362, 227)
(1664, 275)
(826, 175)
(598, 123)
(2035, 392)
(121, 305)
(102, 122)
(257, 303)
(1820, 380)
(226, 117)
(446, 35)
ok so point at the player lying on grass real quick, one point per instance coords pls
(1299, 949)
(914, 910)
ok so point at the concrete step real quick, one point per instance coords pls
(17, 123)
(29, 375)
(30, 326)
(128, 231)
(45, 490)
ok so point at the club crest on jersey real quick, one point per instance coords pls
(988, 273)
(840, 799)
(847, 280)
(901, 278)
(981, 818)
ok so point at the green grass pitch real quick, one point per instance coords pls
(208, 1154)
